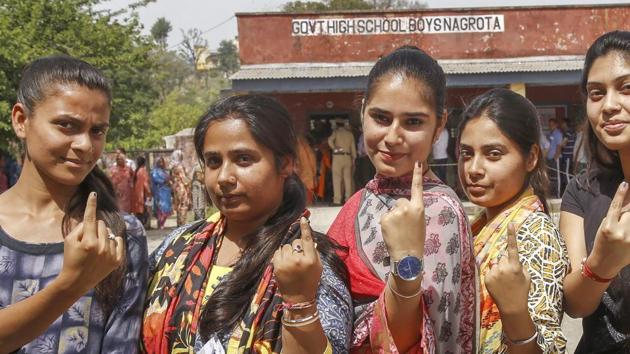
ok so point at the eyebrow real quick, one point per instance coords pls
(80, 121)
(617, 79)
(485, 146)
(211, 153)
(408, 114)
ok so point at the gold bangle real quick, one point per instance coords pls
(401, 295)
(302, 321)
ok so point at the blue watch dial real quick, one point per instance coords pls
(409, 268)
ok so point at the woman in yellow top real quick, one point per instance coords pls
(253, 277)
(522, 258)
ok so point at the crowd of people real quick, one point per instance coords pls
(401, 269)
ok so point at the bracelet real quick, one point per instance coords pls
(297, 306)
(401, 295)
(520, 342)
(302, 321)
(588, 273)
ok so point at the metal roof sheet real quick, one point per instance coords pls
(450, 66)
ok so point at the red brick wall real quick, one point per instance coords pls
(266, 38)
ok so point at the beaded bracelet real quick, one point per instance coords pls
(588, 273)
(301, 321)
(522, 341)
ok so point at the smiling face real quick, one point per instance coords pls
(241, 174)
(65, 133)
(399, 125)
(491, 167)
(608, 100)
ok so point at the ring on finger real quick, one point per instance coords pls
(111, 236)
(298, 249)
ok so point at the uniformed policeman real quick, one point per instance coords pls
(341, 141)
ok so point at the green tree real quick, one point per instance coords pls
(160, 30)
(191, 45)
(228, 57)
(113, 43)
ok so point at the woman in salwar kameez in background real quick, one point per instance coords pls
(161, 187)
(398, 307)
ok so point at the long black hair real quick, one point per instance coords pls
(517, 119)
(40, 80)
(270, 124)
(413, 63)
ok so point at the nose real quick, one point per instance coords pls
(474, 168)
(611, 102)
(82, 142)
(393, 136)
(226, 175)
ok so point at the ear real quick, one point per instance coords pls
(288, 167)
(532, 159)
(440, 126)
(18, 120)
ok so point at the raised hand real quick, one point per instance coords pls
(508, 281)
(611, 249)
(404, 227)
(298, 268)
(89, 255)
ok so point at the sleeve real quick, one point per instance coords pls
(544, 255)
(335, 307)
(122, 330)
(571, 201)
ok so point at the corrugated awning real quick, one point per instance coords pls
(450, 66)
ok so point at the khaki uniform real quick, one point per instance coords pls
(344, 152)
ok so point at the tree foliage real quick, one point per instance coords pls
(35, 28)
(160, 30)
(228, 57)
(191, 45)
(337, 5)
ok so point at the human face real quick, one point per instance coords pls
(399, 125)
(491, 167)
(65, 133)
(241, 175)
(608, 100)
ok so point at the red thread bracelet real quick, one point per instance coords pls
(588, 273)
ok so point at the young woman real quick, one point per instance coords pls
(122, 179)
(252, 277)
(161, 188)
(594, 220)
(198, 193)
(181, 194)
(398, 307)
(64, 283)
(141, 191)
(502, 168)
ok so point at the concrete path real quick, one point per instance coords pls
(323, 216)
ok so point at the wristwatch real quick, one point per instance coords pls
(408, 268)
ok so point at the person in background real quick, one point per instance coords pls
(307, 167)
(141, 192)
(566, 154)
(594, 217)
(521, 256)
(122, 179)
(440, 155)
(129, 162)
(580, 158)
(161, 190)
(341, 141)
(553, 157)
(181, 193)
(323, 171)
(364, 170)
(198, 192)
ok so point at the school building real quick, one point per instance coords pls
(316, 64)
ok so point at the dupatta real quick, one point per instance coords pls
(489, 244)
(176, 296)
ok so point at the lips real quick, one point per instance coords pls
(230, 198)
(388, 156)
(75, 162)
(614, 126)
(476, 189)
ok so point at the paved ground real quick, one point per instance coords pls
(322, 217)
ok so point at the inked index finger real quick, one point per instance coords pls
(89, 216)
(614, 212)
(512, 244)
(416, 184)
(306, 236)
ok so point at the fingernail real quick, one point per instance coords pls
(624, 185)
(303, 220)
(93, 194)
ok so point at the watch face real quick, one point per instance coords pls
(409, 268)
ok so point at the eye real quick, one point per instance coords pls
(595, 94)
(414, 121)
(244, 159)
(380, 118)
(66, 125)
(625, 88)
(99, 131)
(465, 154)
(213, 161)
(494, 154)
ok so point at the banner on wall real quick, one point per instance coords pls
(397, 25)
